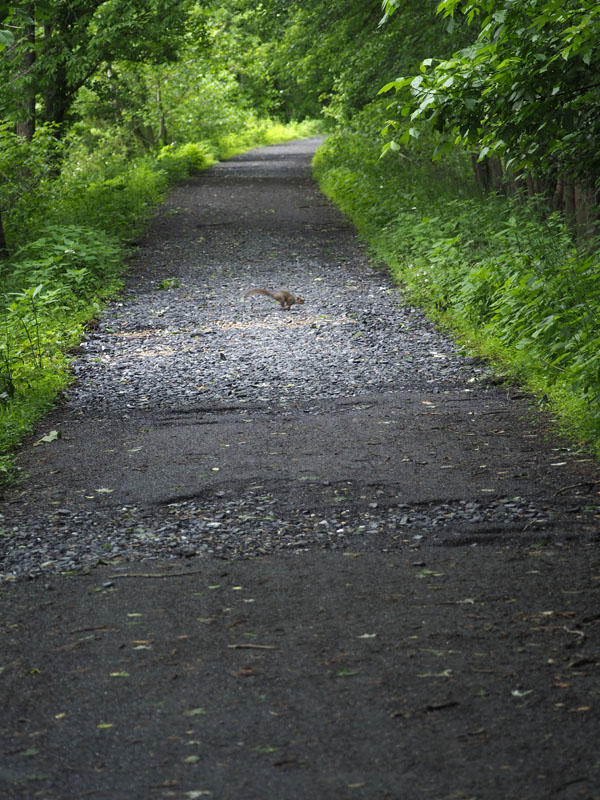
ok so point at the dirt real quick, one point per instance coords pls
(377, 582)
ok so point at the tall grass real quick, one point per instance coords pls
(504, 274)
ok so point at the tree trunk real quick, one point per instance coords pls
(482, 173)
(162, 130)
(569, 201)
(3, 246)
(586, 211)
(26, 124)
(57, 95)
(496, 174)
(559, 190)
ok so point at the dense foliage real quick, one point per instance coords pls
(525, 87)
(510, 117)
(524, 90)
(506, 277)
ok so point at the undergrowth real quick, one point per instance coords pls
(67, 256)
(504, 274)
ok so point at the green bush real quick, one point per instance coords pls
(116, 205)
(73, 259)
(180, 161)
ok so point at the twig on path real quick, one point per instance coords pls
(252, 647)
(93, 628)
(575, 486)
(158, 575)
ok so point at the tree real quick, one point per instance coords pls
(525, 91)
(329, 55)
(60, 44)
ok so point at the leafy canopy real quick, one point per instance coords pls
(525, 88)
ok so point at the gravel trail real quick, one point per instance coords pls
(304, 555)
(203, 424)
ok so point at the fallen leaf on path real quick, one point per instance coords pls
(31, 751)
(441, 705)
(429, 573)
(245, 672)
(49, 437)
(445, 673)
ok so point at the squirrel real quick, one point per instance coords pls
(285, 298)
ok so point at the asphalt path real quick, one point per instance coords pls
(358, 576)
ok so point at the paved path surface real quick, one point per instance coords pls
(311, 554)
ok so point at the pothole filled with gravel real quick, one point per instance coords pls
(166, 349)
(251, 525)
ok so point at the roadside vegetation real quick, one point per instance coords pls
(503, 274)
(463, 144)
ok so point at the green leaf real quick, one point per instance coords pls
(49, 437)
(6, 38)
(429, 573)
(31, 751)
